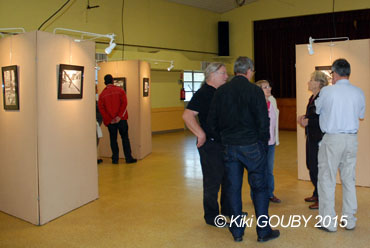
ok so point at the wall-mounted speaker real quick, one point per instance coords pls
(223, 39)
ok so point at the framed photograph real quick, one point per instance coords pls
(120, 82)
(70, 81)
(326, 70)
(10, 87)
(145, 87)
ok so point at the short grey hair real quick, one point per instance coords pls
(242, 64)
(320, 77)
(211, 68)
(341, 67)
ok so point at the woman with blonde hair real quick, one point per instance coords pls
(273, 112)
(310, 121)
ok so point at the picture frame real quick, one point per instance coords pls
(70, 85)
(10, 87)
(120, 82)
(146, 87)
(326, 70)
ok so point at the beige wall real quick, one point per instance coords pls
(18, 132)
(138, 108)
(165, 119)
(48, 147)
(357, 52)
(66, 128)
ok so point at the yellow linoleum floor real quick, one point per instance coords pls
(158, 203)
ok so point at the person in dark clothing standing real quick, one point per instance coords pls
(310, 121)
(238, 116)
(210, 150)
(99, 121)
(113, 107)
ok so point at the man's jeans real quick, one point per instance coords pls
(253, 158)
(122, 128)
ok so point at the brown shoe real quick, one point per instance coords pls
(311, 199)
(314, 206)
(274, 199)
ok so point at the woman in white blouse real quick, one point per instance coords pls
(274, 137)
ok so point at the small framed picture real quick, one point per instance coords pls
(10, 87)
(326, 70)
(146, 87)
(70, 81)
(120, 82)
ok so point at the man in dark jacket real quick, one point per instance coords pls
(113, 107)
(238, 116)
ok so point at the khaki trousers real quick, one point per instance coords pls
(337, 151)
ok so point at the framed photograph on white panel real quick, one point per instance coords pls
(10, 87)
(120, 82)
(70, 81)
(326, 70)
(146, 87)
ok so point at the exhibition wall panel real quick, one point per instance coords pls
(18, 132)
(48, 146)
(357, 52)
(145, 133)
(66, 128)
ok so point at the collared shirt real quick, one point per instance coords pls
(340, 107)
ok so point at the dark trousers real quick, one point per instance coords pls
(312, 151)
(122, 128)
(253, 158)
(211, 159)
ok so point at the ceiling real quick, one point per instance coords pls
(218, 6)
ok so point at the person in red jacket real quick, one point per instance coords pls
(113, 107)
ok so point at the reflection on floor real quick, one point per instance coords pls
(158, 203)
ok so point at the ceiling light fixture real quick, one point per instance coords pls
(171, 66)
(157, 61)
(312, 40)
(108, 50)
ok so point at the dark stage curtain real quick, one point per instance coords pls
(275, 40)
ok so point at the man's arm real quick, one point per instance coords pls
(192, 123)
(103, 112)
(123, 106)
(263, 119)
(319, 101)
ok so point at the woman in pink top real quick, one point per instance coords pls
(274, 137)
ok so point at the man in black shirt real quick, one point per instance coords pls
(238, 116)
(210, 150)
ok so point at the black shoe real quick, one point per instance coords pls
(100, 161)
(273, 235)
(131, 160)
(114, 161)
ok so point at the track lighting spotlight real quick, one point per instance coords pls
(310, 46)
(112, 45)
(171, 66)
(94, 36)
(312, 40)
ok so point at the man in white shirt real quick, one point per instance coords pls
(340, 107)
